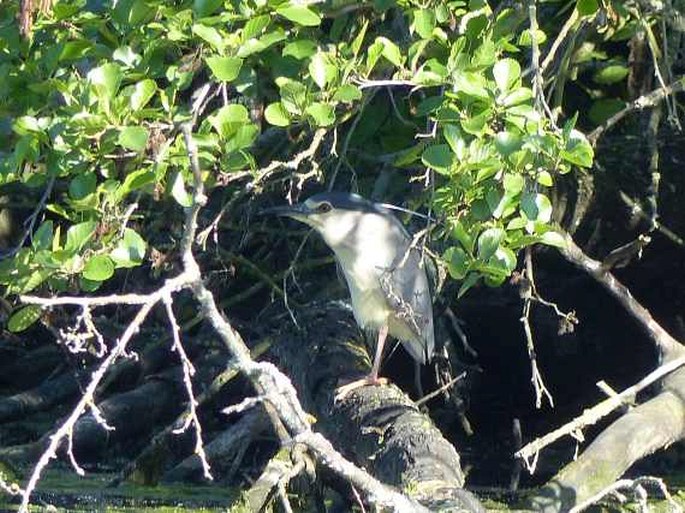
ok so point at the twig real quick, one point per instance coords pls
(647, 100)
(261, 175)
(537, 82)
(31, 220)
(188, 372)
(563, 33)
(348, 137)
(636, 208)
(667, 345)
(536, 376)
(597, 412)
(636, 486)
(366, 84)
(440, 390)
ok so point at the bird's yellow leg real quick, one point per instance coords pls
(372, 378)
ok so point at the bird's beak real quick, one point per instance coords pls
(297, 211)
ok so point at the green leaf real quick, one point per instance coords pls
(347, 93)
(604, 108)
(106, 79)
(513, 184)
(126, 56)
(545, 178)
(255, 26)
(390, 51)
(457, 264)
(459, 232)
(142, 93)
(242, 138)
(476, 125)
(82, 185)
(79, 234)
(228, 119)
(42, 237)
(359, 38)
(74, 50)
(438, 157)
(87, 285)
(553, 238)
(224, 69)
(98, 268)
(26, 125)
(470, 280)
(300, 14)
(507, 142)
(504, 259)
(537, 207)
(133, 137)
(518, 95)
(204, 8)
(488, 242)
(471, 84)
(611, 74)
(578, 150)
(134, 181)
(424, 22)
(180, 193)
(210, 35)
(323, 114)
(321, 70)
(300, 49)
(293, 95)
(23, 318)
(587, 7)
(525, 38)
(253, 45)
(507, 73)
(130, 250)
(275, 114)
(455, 138)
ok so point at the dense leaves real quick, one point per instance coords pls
(94, 97)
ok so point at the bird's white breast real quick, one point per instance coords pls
(365, 248)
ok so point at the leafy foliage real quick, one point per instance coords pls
(93, 100)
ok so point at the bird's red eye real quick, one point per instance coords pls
(324, 207)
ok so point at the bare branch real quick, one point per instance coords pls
(647, 100)
(597, 412)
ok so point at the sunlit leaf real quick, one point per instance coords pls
(98, 268)
(24, 318)
(133, 137)
(300, 14)
(438, 157)
(225, 69)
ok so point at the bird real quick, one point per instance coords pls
(384, 271)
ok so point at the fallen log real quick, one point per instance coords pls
(377, 427)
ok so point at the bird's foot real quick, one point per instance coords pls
(344, 390)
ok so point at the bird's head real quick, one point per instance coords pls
(329, 212)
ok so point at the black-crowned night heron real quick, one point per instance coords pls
(385, 274)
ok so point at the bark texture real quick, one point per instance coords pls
(378, 427)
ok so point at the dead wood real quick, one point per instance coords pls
(56, 390)
(132, 414)
(378, 427)
(643, 430)
(31, 368)
(226, 451)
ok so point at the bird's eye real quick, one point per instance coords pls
(324, 207)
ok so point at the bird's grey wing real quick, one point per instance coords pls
(406, 288)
